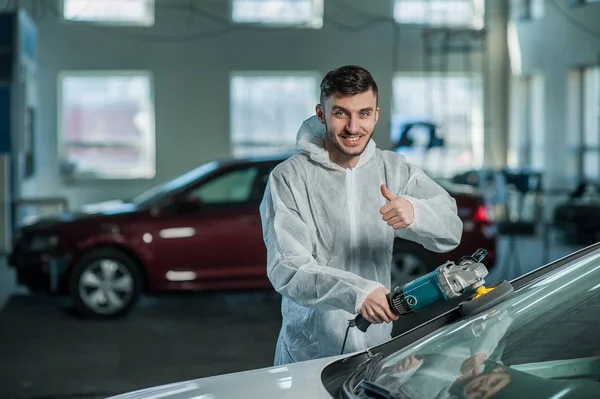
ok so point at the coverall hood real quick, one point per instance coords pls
(311, 140)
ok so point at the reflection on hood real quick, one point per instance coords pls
(108, 208)
(311, 140)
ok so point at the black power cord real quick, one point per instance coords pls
(346, 336)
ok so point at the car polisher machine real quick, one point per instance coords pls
(447, 281)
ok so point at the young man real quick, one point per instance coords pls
(330, 216)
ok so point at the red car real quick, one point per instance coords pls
(198, 231)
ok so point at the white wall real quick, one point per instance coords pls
(551, 47)
(191, 78)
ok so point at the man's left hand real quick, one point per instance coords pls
(471, 365)
(408, 363)
(398, 212)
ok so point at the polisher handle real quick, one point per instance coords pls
(361, 323)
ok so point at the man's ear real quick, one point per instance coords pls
(376, 114)
(320, 113)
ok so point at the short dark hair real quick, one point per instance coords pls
(347, 80)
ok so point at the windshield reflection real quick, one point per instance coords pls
(506, 351)
(432, 371)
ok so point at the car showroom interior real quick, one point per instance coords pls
(195, 194)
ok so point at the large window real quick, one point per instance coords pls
(112, 12)
(268, 109)
(451, 13)
(453, 103)
(591, 124)
(106, 125)
(528, 133)
(283, 13)
(520, 120)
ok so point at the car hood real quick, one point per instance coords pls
(95, 210)
(298, 380)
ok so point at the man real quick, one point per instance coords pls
(330, 216)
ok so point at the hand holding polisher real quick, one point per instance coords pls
(447, 281)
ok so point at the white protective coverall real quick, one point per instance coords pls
(328, 246)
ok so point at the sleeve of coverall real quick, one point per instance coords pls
(291, 267)
(436, 224)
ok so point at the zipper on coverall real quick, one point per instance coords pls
(350, 193)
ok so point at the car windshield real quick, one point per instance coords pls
(540, 342)
(163, 190)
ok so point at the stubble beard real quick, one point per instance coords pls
(332, 139)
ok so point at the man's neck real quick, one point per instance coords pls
(345, 161)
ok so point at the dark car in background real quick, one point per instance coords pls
(578, 218)
(199, 231)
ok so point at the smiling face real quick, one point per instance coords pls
(349, 125)
(486, 385)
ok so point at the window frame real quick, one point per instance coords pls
(265, 74)
(591, 72)
(149, 22)
(316, 22)
(528, 137)
(61, 143)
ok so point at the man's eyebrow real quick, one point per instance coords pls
(337, 107)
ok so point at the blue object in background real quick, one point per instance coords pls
(7, 54)
(7, 47)
(27, 37)
(18, 58)
(5, 125)
(18, 103)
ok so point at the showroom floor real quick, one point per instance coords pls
(48, 353)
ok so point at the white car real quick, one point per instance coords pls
(540, 342)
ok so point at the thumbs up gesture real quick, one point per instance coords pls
(398, 212)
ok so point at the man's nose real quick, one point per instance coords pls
(353, 126)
